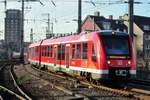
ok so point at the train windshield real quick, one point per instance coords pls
(116, 46)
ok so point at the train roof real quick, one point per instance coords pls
(83, 37)
(68, 39)
(35, 44)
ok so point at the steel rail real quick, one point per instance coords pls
(16, 85)
(12, 93)
(2, 67)
(1, 98)
(141, 82)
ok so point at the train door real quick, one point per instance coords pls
(67, 55)
(55, 55)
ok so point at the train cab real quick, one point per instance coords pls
(119, 55)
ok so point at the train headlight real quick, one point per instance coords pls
(108, 62)
(129, 62)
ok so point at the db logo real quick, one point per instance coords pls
(119, 62)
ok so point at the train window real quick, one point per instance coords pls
(48, 52)
(84, 51)
(36, 51)
(93, 53)
(63, 52)
(33, 51)
(73, 45)
(42, 51)
(51, 52)
(78, 50)
(45, 51)
(73, 51)
(59, 52)
(29, 51)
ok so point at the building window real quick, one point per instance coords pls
(106, 25)
(118, 29)
(117, 22)
(84, 51)
(147, 37)
(124, 30)
(146, 27)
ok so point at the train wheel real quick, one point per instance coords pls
(89, 77)
(96, 82)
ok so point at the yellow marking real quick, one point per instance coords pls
(118, 56)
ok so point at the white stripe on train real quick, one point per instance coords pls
(78, 68)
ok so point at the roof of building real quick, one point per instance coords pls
(101, 20)
(141, 21)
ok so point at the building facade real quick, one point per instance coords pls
(97, 22)
(142, 32)
(13, 26)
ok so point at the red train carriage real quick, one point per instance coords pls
(100, 55)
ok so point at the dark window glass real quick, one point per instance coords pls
(29, 51)
(42, 51)
(73, 51)
(45, 51)
(116, 45)
(84, 51)
(36, 51)
(78, 50)
(59, 52)
(73, 45)
(63, 52)
(32, 51)
(49, 50)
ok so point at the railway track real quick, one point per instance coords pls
(9, 89)
(127, 92)
(84, 89)
(141, 82)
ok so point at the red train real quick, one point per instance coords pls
(98, 55)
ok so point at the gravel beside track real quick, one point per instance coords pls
(37, 87)
(48, 86)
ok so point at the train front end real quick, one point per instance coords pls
(119, 55)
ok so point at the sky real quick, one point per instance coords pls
(63, 14)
